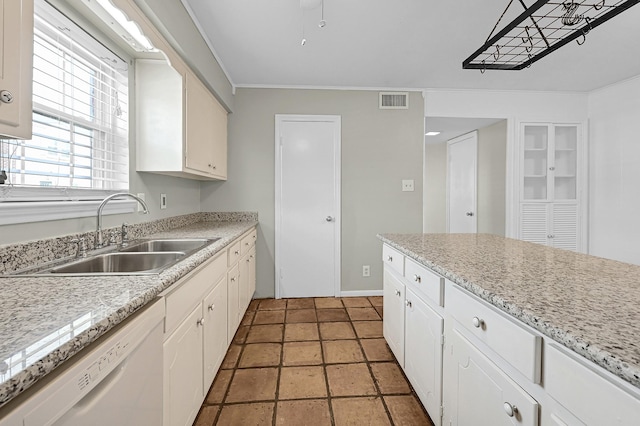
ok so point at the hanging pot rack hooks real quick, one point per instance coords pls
(541, 29)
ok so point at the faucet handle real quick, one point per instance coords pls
(82, 246)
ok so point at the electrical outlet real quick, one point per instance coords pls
(163, 201)
(366, 270)
(141, 196)
(407, 184)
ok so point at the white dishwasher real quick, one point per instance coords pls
(117, 382)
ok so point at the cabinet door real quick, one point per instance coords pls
(219, 140)
(393, 321)
(182, 371)
(564, 226)
(423, 353)
(477, 392)
(214, 308)
(245, 282)
(16, 68)
(233, 303)
(199, 123)
(534, 223)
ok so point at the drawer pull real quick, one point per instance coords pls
(409, 304)
(417, 278)
(200, 322)
(511, 410)
(390, 258)
(211, 307)
(233, 279)
(236, 252)
(477, 322)
(398, 293)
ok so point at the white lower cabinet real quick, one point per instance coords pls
(424, 330)
(214, 310)
(478, 393)
(393, 308)
(233, 301)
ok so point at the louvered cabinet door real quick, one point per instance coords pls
(534, 223)
(564, 226)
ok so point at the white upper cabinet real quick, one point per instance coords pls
(16, 68)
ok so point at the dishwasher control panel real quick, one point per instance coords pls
(101, 367)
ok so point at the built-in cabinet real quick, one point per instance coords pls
(472, 364)
(552, 170)
(16, 68)
(202, 316)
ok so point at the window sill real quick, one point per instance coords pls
(42, 211)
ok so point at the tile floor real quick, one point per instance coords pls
(311, 362)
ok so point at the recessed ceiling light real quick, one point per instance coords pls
(432, 133)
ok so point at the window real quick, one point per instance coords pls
(79, 149)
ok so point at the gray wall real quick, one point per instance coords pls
(379, 149)
(492, 163)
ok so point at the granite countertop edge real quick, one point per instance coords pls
(556, 332)
(160, 282)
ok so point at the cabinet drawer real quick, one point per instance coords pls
(234, 252)
(190, 290)
(248, 241)
(393, 258)
(511, 341)
(425, 282)
(584, 391)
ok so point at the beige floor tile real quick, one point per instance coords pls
(311, 412)
(342, 351)
(207, 415)
(368, 329)
(350, 380)
(219, 387)
(375, 300)
(269, 317)
(231, 359)
(254, 384)
(328, 302)
(406, 411)
(356, 302)
(379, 310)
(256, 414)
(336, 330)
(301, 331)
(260, 355)
(332, 315)
(241, 335)
(363, 314)
(304, 303)
(301, 315)
(265, 333)
(272, 304)
(248, 318)
(389, 378)
(302, 382)
(253, 306)
(301, 353)
(359, 411)
(376, 350)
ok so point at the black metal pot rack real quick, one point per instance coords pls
(541, 29)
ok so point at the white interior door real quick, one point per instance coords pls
(307, 206)
(462, 158)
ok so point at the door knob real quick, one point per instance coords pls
(329, 219)
(469, 213)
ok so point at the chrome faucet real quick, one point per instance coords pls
(99, 243)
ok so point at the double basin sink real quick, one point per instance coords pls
(141, 257)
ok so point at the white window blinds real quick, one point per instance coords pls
(79, 148)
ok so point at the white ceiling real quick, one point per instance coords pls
(399, 44)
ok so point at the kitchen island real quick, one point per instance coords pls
(46, 320)
(583, 304)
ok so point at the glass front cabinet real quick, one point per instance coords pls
(551, 170)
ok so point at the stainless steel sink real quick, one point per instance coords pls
(185, 245)
(120, 263)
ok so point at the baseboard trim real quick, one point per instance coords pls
(360, 293)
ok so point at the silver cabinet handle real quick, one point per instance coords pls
(329, 219)
(6, 96)
(398, 293)
(408, 303)
(477, 322)
(233, 279)
(417, 278)
(510, 409)
(236, 252)
(200, 322)
(211, 307)
(552, 168)
(390, 258)
(469, 213)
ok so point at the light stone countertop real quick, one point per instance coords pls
(589, 304)
(38, 312)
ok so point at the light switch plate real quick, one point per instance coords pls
(407, 184)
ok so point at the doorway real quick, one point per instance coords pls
(307, 187)
(462, 159)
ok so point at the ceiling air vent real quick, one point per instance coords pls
(393, 100)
